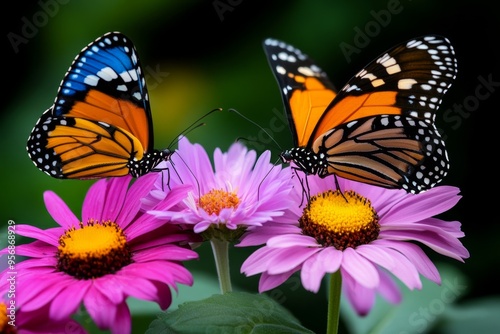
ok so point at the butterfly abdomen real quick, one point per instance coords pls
(306, 160)
(148, 162)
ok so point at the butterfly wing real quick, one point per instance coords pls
(379, 128)
(104, 88)
(383, 119)
(409, 79)
(79, 148)
(305, 88)
(389, 151)
(105, 83)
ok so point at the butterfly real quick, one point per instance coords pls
(100, 123)
(380, 127)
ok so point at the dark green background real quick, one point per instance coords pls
(197, 58)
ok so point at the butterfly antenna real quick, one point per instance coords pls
(257, 125)
(196, 124)
(265, 176)
(190, 171)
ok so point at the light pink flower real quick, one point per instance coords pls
(239, 191)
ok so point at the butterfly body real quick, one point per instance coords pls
(100, 124)
(379, 128)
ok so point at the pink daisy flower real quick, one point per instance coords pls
(113, 252)
(370, 234)
(240, 191)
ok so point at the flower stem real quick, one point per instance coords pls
(220, 248)
(334, 303)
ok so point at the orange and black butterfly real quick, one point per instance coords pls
(100, 124)
(379, 128)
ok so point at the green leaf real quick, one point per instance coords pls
(234, 312)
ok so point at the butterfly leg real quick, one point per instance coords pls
(304, 183)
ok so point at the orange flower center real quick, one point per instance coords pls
(217, 199)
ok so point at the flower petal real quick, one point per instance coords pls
(362, 270)
(361, 297)
(316, 266)
(424, 205)
(268, 282)
(59, 210)
(93, 204)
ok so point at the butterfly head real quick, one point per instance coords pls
(149, 162)
(306, 160)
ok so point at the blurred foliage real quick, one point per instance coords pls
(200, 55)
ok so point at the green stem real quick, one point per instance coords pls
(220, 248)
(334, 303)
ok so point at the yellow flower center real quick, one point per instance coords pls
(340, 219)
(93, 250)
(217, 199)
(7, 324)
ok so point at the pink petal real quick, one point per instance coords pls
(416, 256)
(423, 205)
(438, 241)
(93, 204)
(262, 235)
(167, 253)
(376, 255)
(109, 286)
(132, 202)
(49, 236)
(362, 270)
(315, 268)
(66, 302)
(137, 287)
(289, 259)
(389, 289)
(163, 295)
(259, 261)
(59, 210)
(361, 297)
(115, 194)
(38, 249)
(40, 290)
(100, 309)
(268, 282)
(123, 321)
(405, 270)
(293, 240)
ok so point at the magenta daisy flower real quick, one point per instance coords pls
(113, 252)
(369, 234)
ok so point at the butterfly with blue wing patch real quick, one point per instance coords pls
(379, 128)
(100, 124)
